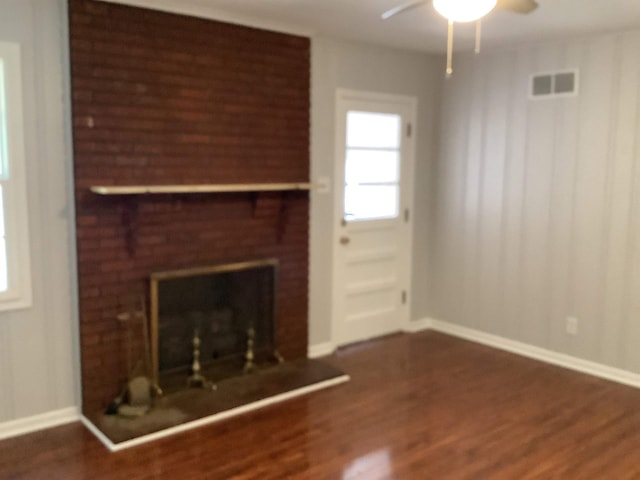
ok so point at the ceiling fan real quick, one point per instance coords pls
(464, 11)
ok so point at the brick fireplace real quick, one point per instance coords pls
(166, 99)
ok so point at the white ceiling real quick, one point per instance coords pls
(419, 29)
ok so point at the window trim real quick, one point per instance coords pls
(18, 294)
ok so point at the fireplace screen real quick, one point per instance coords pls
(219, 305)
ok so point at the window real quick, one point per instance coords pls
(372, 167)
(15, 278)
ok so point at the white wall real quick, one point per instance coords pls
(38, 358)
(539, 201)
(355, 66)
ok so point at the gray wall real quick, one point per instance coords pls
(37, 345)
(539, 201)
(536, 205)
(355, 66)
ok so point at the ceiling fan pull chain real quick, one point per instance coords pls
(450, 49)
(478, 34)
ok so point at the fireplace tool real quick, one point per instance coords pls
(135, 398)
(139, 387)
(147, 349)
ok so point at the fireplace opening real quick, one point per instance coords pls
(230, 309)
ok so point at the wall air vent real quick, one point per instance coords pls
(552, 85)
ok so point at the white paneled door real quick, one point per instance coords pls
(371, 262)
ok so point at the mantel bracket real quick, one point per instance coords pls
(129, 214)
(283, 215)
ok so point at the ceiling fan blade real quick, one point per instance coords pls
(518, 6)
(403, 8)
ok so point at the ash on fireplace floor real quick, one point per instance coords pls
(191, 404)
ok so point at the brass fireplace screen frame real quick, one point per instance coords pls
(158, 277)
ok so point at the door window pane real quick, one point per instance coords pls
(373, 130)
(372, 166)
(368, 202)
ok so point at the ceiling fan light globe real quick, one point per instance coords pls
(463, 10)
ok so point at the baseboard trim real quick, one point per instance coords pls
(415, 326)
(321, 349)
(617, 375)
(22, 426)
(63, 416)
(115, 447)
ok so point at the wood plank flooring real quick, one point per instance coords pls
(422, 406)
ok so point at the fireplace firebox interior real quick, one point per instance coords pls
(228, 308)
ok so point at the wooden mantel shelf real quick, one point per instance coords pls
(214, 188)
(131, 195)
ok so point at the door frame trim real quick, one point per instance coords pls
(407, 199)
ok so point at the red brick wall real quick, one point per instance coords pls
(167, 99)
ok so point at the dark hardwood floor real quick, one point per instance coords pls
(422, 406)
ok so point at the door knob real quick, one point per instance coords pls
(344, 240)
